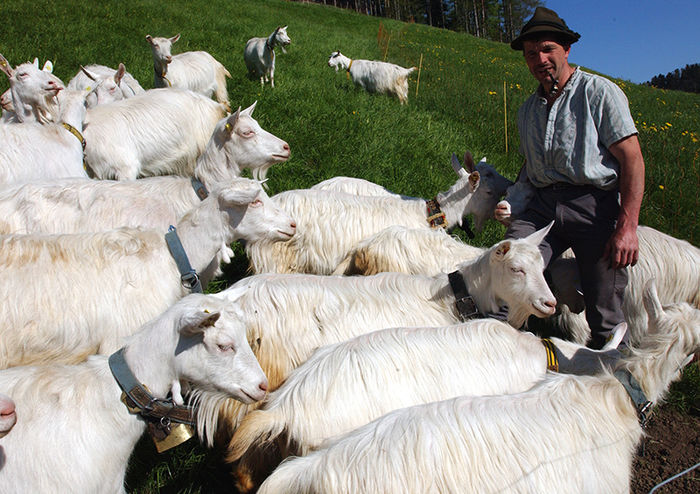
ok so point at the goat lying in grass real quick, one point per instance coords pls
(76, 435)
(503, 443)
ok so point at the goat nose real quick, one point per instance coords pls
(285, 146)
(293, 225)
(263, 386)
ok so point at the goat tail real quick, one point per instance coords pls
(257, 428)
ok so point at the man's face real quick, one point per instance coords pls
(546, 55)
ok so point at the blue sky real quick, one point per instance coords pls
(632, 39)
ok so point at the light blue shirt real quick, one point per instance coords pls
(569, 143)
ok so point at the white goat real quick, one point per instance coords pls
(8, 417)
(405, 250)
(34, 151)
(259, 54)
(197, 71)
(351, 383)
(76, 435)
(72, 206)
(290, 315)
(88, 291)
(32, 90)
(157, 132)
(374, 76)
(319, 247)
(499, 443)
(113, 84)
(492, 186)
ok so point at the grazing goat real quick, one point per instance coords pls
(71, 206)
(34, 151)
(351, 383)
(113, 84)
(33, 90)
(259, 55)
(500, 443)
(374, 76)
(319, 248)
(492, 186)
(88, 291)
(194, 70)
(76, 435)
(290, 315)
(8, 418)
(157, 132)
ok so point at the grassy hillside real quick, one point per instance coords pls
(467, 99)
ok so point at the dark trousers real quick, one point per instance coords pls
(584, 219)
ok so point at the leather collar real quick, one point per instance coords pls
(466, 306)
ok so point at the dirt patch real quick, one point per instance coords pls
(672, 445)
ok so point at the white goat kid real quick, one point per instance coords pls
(495, 443)
(351, 383)
(71, 206)
(319, 247)
(33, 91)
(76, 435)
(34, 151)
(197, 71)
(112, 84)
(374, 76)
(88, 291)
(8, 416)
(290, 315)
(157, 132)
(259, 55)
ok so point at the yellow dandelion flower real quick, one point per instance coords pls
(492, 93)
(668, 124)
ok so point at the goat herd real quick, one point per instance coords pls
(357, 351)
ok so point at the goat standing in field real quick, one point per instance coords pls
(348, 384)
(374, 76)
(502, 443)
(290, 315)
(76, 435)
(88, 291)
(259, 55)
(197, 71)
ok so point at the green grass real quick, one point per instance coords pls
(469, 88)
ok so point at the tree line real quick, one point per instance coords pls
(497, 20)
(685, 79)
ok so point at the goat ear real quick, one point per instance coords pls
(48, 67)
(652, 304)
(149, 38)
(88, 74)
(249, 111)
(469, 161)
(5, 66)
(121, 70)
(501, 250)
(457, 167)
(474, 178)
(537, 237)
(175, 38)
(240, 194)
(231, 121)
(197, 322)
(35, 62)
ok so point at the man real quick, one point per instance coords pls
(583, 157)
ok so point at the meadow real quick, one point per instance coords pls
(464, 96)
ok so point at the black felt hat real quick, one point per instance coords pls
(544, 21)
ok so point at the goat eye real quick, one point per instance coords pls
(517, 270)
(225, 348)
(256, 203)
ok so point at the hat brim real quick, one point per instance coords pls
(534, 32)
